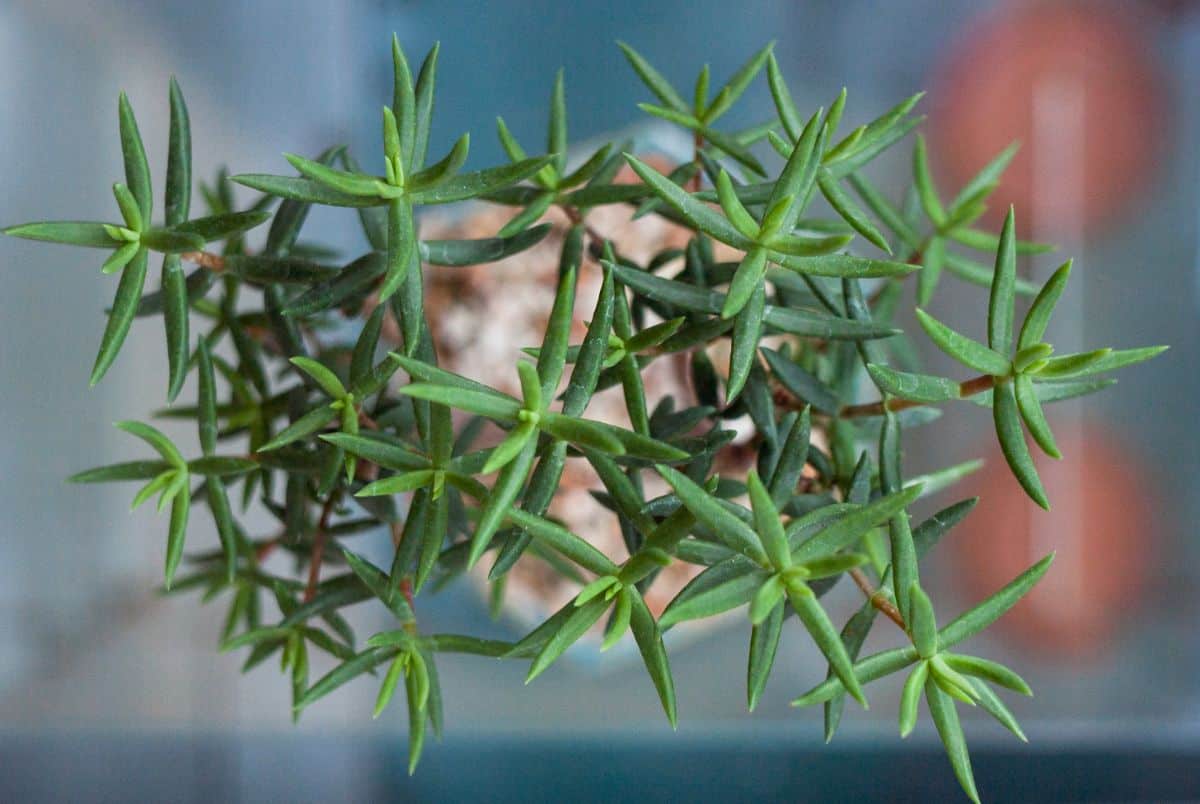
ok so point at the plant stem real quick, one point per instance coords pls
(966, 388)
(878, 598)
(205, 259)
(318, 548)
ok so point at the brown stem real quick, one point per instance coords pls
(965, 389)
(878, 598)
(318, 548)
(205, 259)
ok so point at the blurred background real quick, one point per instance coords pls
(108, 691)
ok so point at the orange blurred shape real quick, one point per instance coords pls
(1073, 82)
(1100, 524)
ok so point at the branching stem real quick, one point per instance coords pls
(878, 598)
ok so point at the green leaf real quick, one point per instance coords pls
(1012, 443)
(966, 351)
(718, 589)
(918, 387)
(386, 451)
(404, 102)
(764, 643)
(445, 168)
(326, 379)
(491, 404)
(816, 621)
(401, 251)
(767, 524)
(866, 670)
(932, 262)
(766, 599)
(977, 274)
(576, 625)
(221, 465)
(129, 207)
(470, 185)
(1000, 303)
(311, 422)
(503, 494)
(178, 192)
(477, 252)
(945, 717)
(137, 168)
(746, 281)
(727, 528)
(994, 607)
(423, 102)
(556, 139)
(221, 227)
(800, 383)
(553, 354)
(987, 177)
(796, 180)
(71, 233)
(696, 212)
(788, 114)
(695, 299)
(989, 671)
(581, 432)
(1035, 418)
(1113, 360)
(124, 310)
(156, 439)
(923, 181)
(731, 205)
(737, 83)
(654, 654)
(388, 687)
(910, 698)
(175, 316)
(991, 703)
(171, 241)
(653, 79)
(845, 531)
(563, 541)
(747, 331)
(1034, 326)
(118, 472)
(397, 484)
(344, 672)
(923, 625)
(850, 212)
(510, 447)
(178, 528)
(301, 189)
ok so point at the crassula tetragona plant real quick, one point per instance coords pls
(783, 304)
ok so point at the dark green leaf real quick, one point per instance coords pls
(220, 227)
(653, 79)
(1040, 311)
(1000, 303)
(918, 387)
(175, 315)
(994, 607)
(1012, 443)
(124, 309)
(72, 233)
(471, 185)
(137, 168)
(945, 717)
(963, 349)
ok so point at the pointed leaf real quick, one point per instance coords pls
(963, 349)
(1012, 443)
